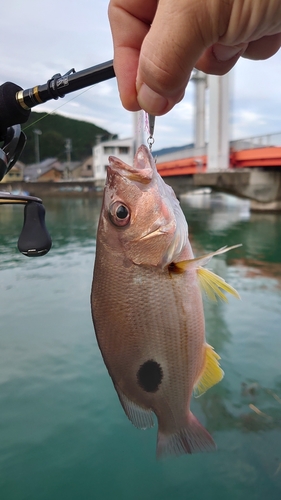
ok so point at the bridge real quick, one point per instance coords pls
(254, 171)
(250, 168)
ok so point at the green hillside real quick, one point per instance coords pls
(55, 130)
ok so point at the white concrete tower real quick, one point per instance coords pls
(200, 80)
(218, 146)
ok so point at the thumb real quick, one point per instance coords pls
(169, 52)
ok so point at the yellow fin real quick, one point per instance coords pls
(211, 373)
(213, 285)
(185, 265)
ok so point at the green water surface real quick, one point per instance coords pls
(63, 433)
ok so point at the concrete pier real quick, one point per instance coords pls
(263, 188)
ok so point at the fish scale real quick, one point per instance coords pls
(131, 320)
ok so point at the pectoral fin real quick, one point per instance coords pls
(211, 373)
(187, 265)
(209, 281)
(212, 284)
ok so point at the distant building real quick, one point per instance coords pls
(71, 170)
(79, 170)
(45, 171)
(15, 174)
(52, 170)
(122, 148)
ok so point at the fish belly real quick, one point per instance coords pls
(151, 323)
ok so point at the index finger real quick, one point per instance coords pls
(130, 22)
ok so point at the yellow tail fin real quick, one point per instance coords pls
(211, 373)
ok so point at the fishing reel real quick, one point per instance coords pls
(15, 107)
(34, 239)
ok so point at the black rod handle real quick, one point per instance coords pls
(15, 103)
(59, 86)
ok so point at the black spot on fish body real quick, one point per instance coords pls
(150, 375)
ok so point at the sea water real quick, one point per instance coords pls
(63, 433)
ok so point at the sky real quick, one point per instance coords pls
(39, 39)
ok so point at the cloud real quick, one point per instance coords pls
(38, 42)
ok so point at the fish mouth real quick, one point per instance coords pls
(142, 170)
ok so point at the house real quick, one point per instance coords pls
(45, 171)
(87, 168)
(15, 173)
(78, 170)
(122, 148)
(70, 170)
(52, 170)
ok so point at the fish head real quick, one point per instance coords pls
(141, 217)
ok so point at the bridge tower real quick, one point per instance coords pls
(218, 145)
(200, 80)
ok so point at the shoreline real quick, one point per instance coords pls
(59, 189)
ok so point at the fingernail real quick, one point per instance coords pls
(223, 53)
(150, 101)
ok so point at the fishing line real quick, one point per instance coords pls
(54, 110)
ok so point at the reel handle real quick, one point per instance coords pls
(34, 239)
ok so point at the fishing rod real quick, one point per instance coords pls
(15, 108)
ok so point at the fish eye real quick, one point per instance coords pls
(119, 214)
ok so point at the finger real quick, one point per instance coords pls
(263, 48)
(129, 27)
(170, 50)
(125, 67)
(219, 59)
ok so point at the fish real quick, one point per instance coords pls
(147, 305)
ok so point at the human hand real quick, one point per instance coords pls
(158, 43)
